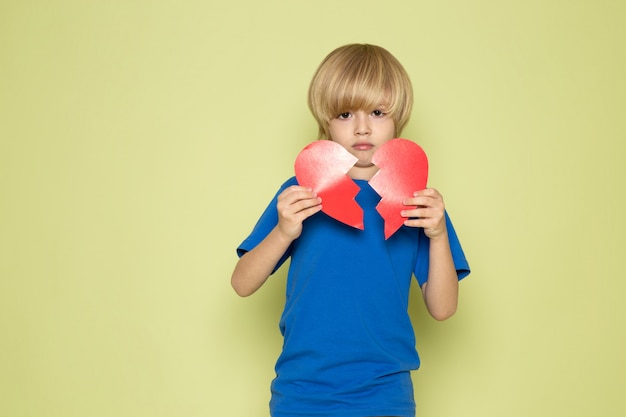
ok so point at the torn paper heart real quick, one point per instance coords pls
(323, 165)
(403, 169)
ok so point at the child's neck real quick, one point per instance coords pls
(362, 173)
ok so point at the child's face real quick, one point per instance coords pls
(361, 133)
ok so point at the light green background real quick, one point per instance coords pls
(140, 140)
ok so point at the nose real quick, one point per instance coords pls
(362, 126)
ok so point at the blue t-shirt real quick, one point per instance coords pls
(349, 344)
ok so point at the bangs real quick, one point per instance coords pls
(353, 98)
(362, 85)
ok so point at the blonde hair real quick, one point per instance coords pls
(360, 77)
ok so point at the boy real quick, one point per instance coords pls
(349, 345)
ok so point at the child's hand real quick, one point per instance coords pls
(429, 213)
(295, 204)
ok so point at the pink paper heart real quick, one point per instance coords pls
(323, 165)
(403, 169)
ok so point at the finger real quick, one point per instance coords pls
(296, 193)
(422, 212)
(295, 189)
(427, 192)
(305, 204)
(289, 208)
(427, 195)
(415, 223)
(425, 202)
(308, 212)
(428, 224)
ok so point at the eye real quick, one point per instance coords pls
(344, 115)
(378, 113)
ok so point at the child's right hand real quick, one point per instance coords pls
(295, 204)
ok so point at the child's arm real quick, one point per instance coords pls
(295, 204)
(441, 291)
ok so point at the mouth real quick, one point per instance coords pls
(362, 146)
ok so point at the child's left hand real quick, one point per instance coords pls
(429, 214)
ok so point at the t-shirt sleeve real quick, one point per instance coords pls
(265, 224)
(458, 256)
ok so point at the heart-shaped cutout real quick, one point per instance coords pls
(323, 165)
(403, 169)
